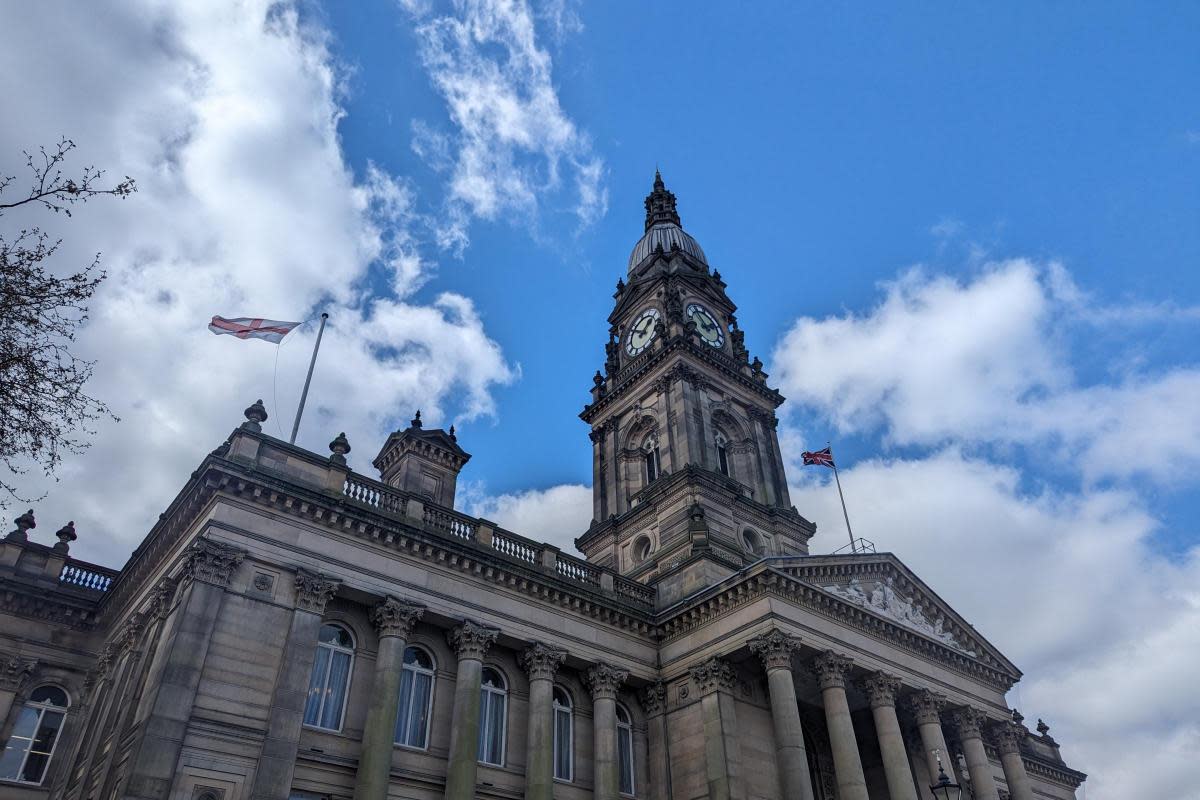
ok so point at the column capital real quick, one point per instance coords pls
(313, 590)
(395, 617)
(1007, 737)
(131, 633)
(604, 680)
(831, 668)
(774, 648)
(654, 698)
(926, 706)
(880, 688)
(14, 671)
(470, 640)
(969, 721)
(541, 661)
(161, 597)
(212, 562)
(714, 675)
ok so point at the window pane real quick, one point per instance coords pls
(35, 767)
(339, 676)
(26, 723)
(316, 686)
(419, 719)
(562, 744)
(47, 732)
(10, 762)
(625, 759)
(404, 705)
(485, 704)
(49, 694)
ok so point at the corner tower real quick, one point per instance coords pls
(688, 480)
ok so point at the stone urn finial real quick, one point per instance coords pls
(453, 435)
(416, 421)
(23, 523)
(256, 415)
(339, 447)
(66, 534)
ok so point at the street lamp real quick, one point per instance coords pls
(945, 789)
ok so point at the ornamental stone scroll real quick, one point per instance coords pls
(470, 640)
(775, 648)
(395, 617)
(313, 591)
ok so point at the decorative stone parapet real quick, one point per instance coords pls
(775, 649)
(313, 591)
(969, 721)
(714, 675)
(604, 680)
(14, 672)
(212, 562)
(470, 640)
(542, 661)
(831, 668)
(1007, 737)
(926, 706)
(395, 617)
(880, 688)
(654, 698)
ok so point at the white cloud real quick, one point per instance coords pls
(512, 139)
(987, 361)
(556, 515)
(226, 114)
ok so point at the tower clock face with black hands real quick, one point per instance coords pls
(706, 324)
(641, 332)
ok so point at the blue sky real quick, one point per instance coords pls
(964, 238)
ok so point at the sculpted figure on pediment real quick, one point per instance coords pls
(884, 599)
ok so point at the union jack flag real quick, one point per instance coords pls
(272, 330)
(821, 458)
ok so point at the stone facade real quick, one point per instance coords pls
(290, 628)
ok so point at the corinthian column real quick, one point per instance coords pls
(775, 649)
(654, 705)
(969, 720)
(927, 708)
(470, 642)
(881, 689)
(1008, 741)
(541, 662)
(831, 669)
(394, 621)
(604, 681)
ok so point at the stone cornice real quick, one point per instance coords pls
(34, 600)
(1056, 773)
(541, 661)
(395, 617)
(603, 680)
(470, 640)
(775, 648)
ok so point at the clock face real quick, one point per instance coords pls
(706, 324)
(641, 332)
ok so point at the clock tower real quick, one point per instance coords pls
(688, 480)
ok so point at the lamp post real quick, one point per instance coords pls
(945, 789)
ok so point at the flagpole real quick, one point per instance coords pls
(842, 497)
(308, 379)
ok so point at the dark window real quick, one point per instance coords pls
(651, 465)
(723, 460)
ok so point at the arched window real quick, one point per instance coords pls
(329, 683)
(493, 711)
(564, 732)
(416, 699)
(625, 749)
(722, 455)
(34, 736)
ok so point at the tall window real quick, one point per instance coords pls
(652, 467)
(34, 736)
(493, 709)
(722, 456)
(416, 698)
(564, 729)
(329, 682)
(625, 749)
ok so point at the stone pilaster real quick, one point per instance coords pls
(926, 708)
(831, 670)
(881, 690)
(207, 570)
(277, 762)
(541, 663)
(969, 722)
(470, 641)
(394, 621)
(654, 704)
(775, 648)
(14, 674)
(716, 680)
(1007, 738)
(604, 681)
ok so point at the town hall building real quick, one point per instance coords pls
(291, 629)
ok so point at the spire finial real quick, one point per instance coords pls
(660, 204)
(416, 421)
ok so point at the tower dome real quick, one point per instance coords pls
(663, 228)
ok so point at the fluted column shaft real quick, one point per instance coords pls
(881, 689)
(831, 670)
(470, 641)
(1008, 738)
(604, 681)
(983, 785)
(541, 662)
(775, 649)
(927, 708)
(394, 621)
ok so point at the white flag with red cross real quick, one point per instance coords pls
(273, 330)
